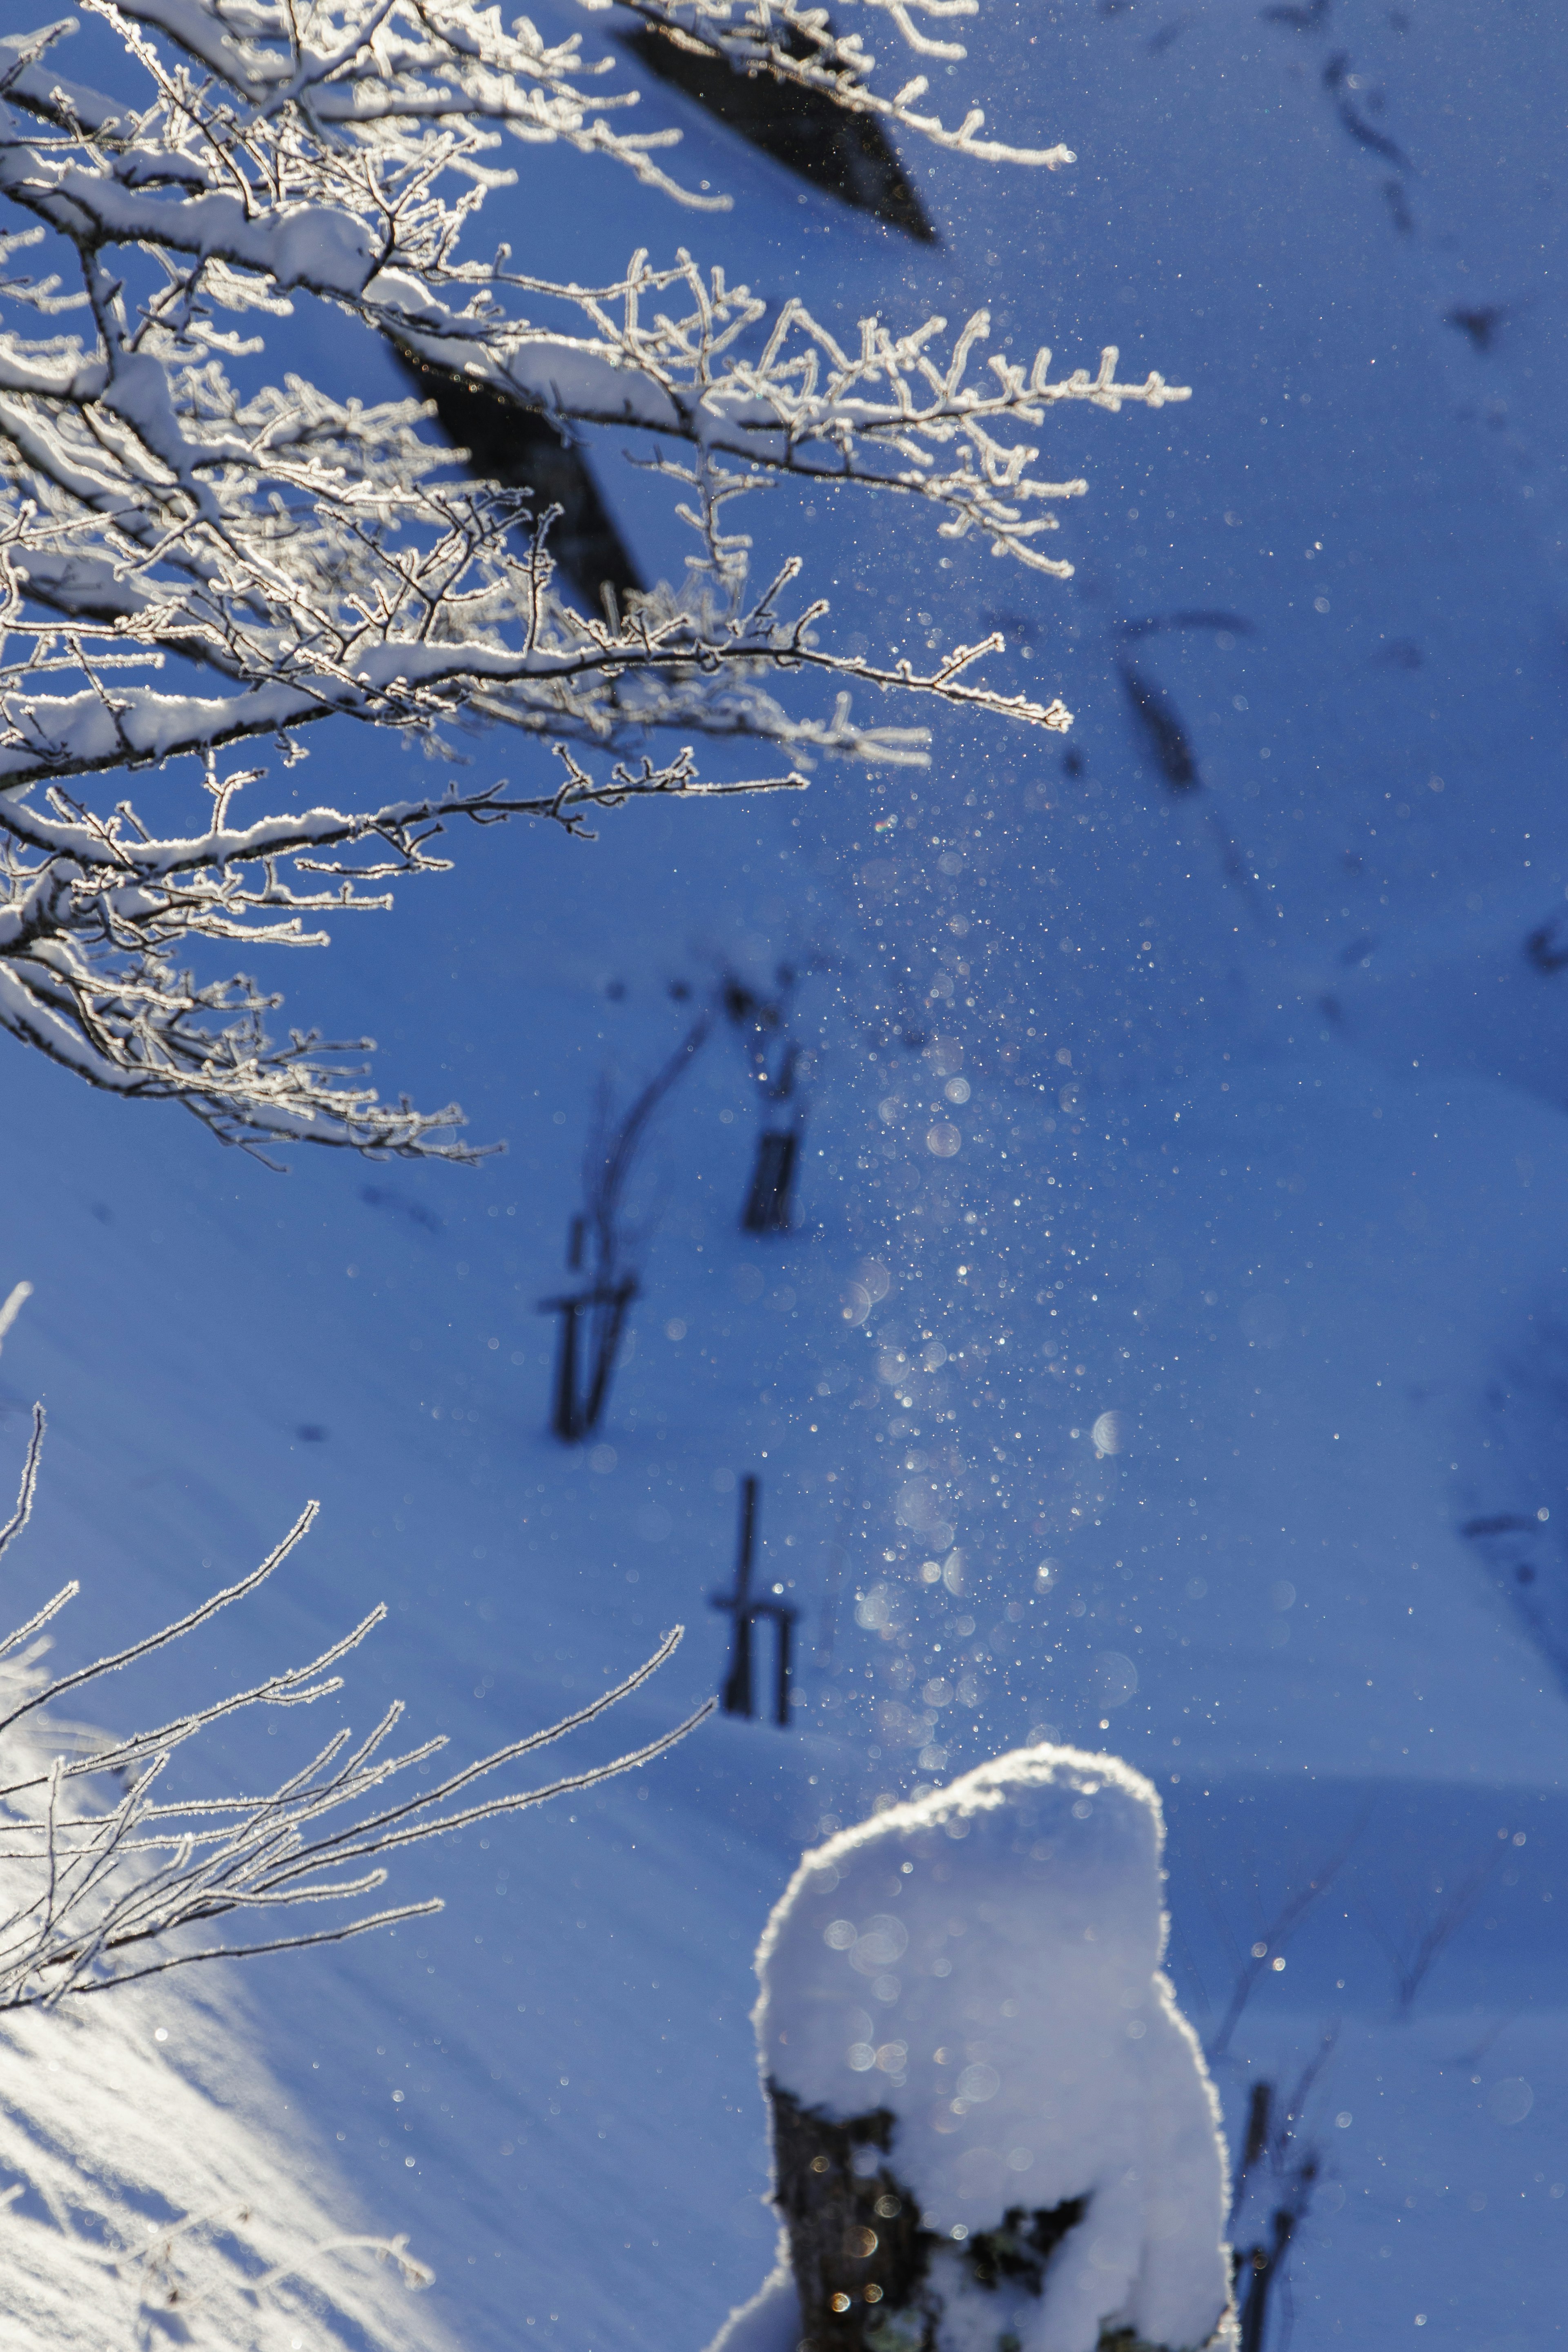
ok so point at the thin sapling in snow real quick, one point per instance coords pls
(1433, 1911)
(200, 2268)
(1275, 2181)
(253, 2270)
(1264, 1955)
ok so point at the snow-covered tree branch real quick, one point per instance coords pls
(192, 555)
(96, 1894)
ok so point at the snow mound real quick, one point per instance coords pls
(962, 2000)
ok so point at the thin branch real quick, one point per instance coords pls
(29, 1487)
(1270, 1945)
(107, 1884)
(112, 1662)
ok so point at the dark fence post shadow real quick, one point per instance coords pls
(600, 1239)
(524, 449)
(578, 1407)
(776, 1063)
(736, 1694)
(771, 1199)
(1279, 2169)
(799, 127)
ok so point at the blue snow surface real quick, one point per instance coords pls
(1263, 1152)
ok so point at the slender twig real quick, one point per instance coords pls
(109, 1883)
(1269, 1945)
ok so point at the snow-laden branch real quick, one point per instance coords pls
(100, 1892)
(192, 556)
(93, 912)
(889, 411)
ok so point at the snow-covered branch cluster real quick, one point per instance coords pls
(191, 554)
(96, 1894)
(889, 410)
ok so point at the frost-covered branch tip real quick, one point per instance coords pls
(104, 1881)
(794, 43)
(94, 912)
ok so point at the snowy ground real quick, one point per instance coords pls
(1263, 1152)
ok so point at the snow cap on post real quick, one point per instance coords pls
(963, 2028)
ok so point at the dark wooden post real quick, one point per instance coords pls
(784, 1618)
(576, 1412)
(736, 1694)
(770, 1201)
(563, 1405)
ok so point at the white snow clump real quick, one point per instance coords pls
(985, 1962)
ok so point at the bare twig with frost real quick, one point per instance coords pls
(192, 557)
(204, 2276)
(100, 911)
(1275, 2181)
(608, 1241)
(108, 1892)
(794, 42)
(163, 2274)
(1266, 1953)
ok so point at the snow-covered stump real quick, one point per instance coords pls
(993, 2131)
